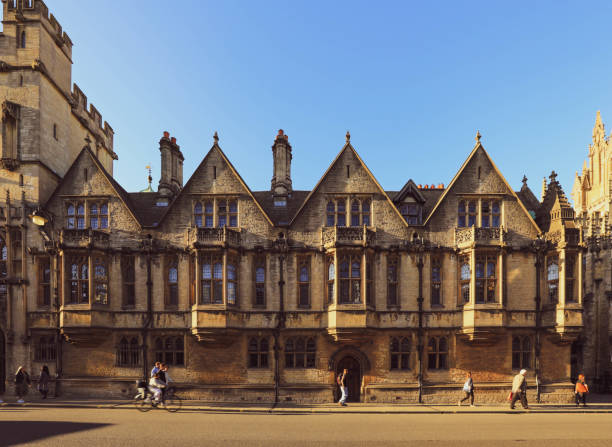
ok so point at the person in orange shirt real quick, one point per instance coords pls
(581, 391)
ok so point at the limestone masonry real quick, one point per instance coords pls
(266, 295)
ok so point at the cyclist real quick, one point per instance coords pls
(156, 387)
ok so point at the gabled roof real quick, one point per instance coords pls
(347, 147)
(216, 147)
(528, 197)
(478, 147)
(121, 193)
(409, 188)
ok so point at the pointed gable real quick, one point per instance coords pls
(409, 189)
(348, 174)
(86, 177)
(215, 175)
(479, 176)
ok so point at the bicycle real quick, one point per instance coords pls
(144, 401)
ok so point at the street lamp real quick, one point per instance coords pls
(417, 246)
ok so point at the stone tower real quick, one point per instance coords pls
(281, 180)
(171, 180)
(44, 118)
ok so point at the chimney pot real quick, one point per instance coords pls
(441, 186)
(420, 186)
(166, 134)
(281, 132)
(173, 139)
(433, 186)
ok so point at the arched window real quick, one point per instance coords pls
(400, 353)
(172, 290)
(521, 352)
(258, 351)
(331, 277)
(465, 276)
(100, 280)
(392, 280)
(197, 214)
(304, 281)
(552, 276)
(22, 40)
(260, 281)
(331, 214)
(3, 259)
(437, 353)
(170, 350)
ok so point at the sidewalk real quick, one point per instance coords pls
(328, 408)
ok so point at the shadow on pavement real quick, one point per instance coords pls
(18, 432)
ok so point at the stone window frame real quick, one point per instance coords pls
(484, 282)
(75, 219)
(330, 279)
(100, 279)
(464, 279)
(100, 216)
(369, 289)
(4, 262)
(216, 212)
(44, 276)
(466, 216)
(352, 282)
(436, 276)
(128, 273)
(393, 276)
(128, 352)
(481, 212)
(170, 349)
(438, 351)
(399, 353)
(259, 281)
(303, 264)
(552, 278)
(490, 213)
(45, 348)
(172, 281)
(412, 212)
(78, 286)
(570, 262)
(300, 352)
(223, 278)
(340, 212)
(522, 352)
(204, 213)
(15, 254)
(258, 353)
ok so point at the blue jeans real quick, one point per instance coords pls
(344, 390)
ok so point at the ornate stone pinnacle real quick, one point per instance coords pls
(348, 136)
(553, 176)
(478, 136)
(524, 179)
(216, 137)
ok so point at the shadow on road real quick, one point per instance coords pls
(18, 432)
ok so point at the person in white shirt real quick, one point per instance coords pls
(156, 386)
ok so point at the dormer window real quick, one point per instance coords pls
(411, 212)
(280, 201)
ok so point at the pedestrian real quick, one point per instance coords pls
(468, 389)
(342, 380)
(43, 381)
(156, 368)
(162, 372)
(22, 381)
(519, 389)
(581, 391)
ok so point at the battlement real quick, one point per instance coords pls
(92, 118)
(24, 10)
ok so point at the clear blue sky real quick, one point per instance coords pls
(412, 81)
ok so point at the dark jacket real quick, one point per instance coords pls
(22, 377)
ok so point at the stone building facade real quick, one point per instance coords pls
(266, 295)
(592, 198)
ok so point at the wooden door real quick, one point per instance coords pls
(353, 381)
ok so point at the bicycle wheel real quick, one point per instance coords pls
(173, 404)
(141, 404)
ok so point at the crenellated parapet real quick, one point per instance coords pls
(92, 120)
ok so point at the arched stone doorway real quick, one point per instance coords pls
(2, 364)
(353, 380)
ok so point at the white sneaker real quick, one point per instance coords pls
(472, 405)
(459, 403)
(21, 401)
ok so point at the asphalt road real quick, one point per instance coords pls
(127, 427)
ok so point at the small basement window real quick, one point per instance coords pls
(162, 202)
(280, 201)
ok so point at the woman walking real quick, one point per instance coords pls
(22, 381)
(468, 389)
(581, 391)
(43, 382)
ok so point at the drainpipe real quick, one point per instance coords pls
(281, 246)
(420, 330)
(148, 246)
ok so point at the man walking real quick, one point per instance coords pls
(519, 389)
(343, 388)
(468, 389)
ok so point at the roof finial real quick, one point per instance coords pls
(553, 177)
(524, 180)
(348, 136)
(216, 137)
(478, 136)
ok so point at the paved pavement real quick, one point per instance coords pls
(124, 426)
(601, 404)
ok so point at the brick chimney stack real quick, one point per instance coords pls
(281, 179)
